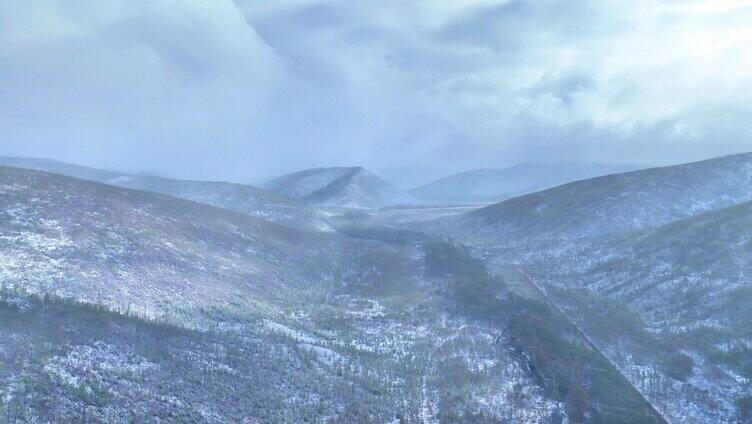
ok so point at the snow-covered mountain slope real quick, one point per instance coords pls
(652, 266)
(688, 272)
(612, 203)
(690, 284)
(360, 362)
(90, 241)
(338, 187)
(495, 185)
(704, 262)
(243, 198)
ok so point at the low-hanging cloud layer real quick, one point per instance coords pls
(244, 90)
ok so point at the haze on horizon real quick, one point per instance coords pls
(244, 91)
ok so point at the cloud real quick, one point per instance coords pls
(244, 90)
(140, 80)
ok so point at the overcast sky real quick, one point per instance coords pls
(411, 89)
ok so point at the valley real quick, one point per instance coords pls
(375, 212)
(617, 299)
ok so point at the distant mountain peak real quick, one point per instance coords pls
(351, 187)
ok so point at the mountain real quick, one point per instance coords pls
(703, 262)
(494, 185)
(612, 203)
(56, 167)
(352, 187)
(674, 303)
(121, 305)
(653, 266)
(243, 198)
(95, 242)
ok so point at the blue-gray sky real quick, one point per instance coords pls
(245, 90)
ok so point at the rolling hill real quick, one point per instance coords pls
(337, 187)
(494, 185)
(242, 198)
(94, 242)
(612, 203)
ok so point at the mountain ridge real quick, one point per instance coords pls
(497, 184)
(348, 187)
(614, 203)
(81, 239)
(242, 198)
